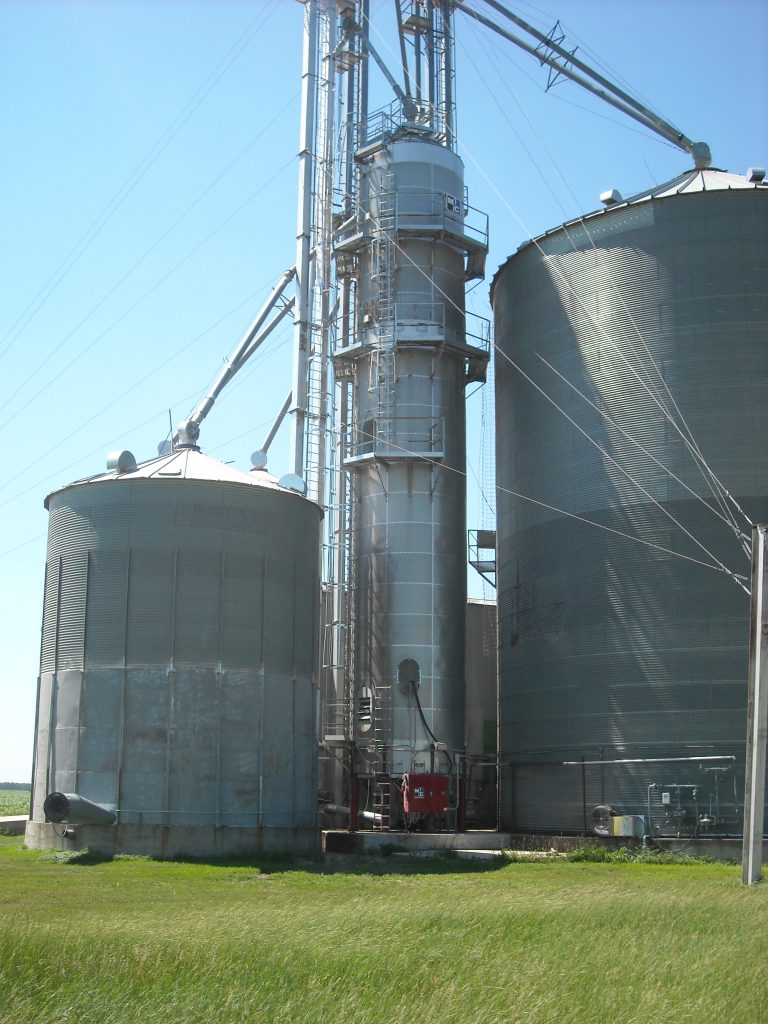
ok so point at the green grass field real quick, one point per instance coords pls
(133, 940)
(14, 801)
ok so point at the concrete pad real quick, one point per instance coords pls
(408, 842)
(13, 825)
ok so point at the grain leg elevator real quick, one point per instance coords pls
(404, 242)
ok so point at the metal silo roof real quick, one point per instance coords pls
(690, 182)
(183, 464)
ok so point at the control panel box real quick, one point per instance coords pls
(425, 793)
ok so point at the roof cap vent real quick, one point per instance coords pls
(121, 462)
(292, 482)
(756, 175)
(611, 197)
(258, 461)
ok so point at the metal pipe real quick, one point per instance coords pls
(584, 793)
(371, 49)
(365, 30)
(76, 810)
(450, 133)
(244, 349)
(304, 234)
(757, 714)
(645, 760)
(653, 785)
(277, 424)
(281, 314)
(638, 113)
(431, 62)
(341, 809)
(403, 54)
(571, 58)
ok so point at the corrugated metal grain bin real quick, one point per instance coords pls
(609, 648)
(178, 663)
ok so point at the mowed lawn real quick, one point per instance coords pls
(133, 940)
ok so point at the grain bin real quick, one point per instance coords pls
(178, 661)
(611, 649)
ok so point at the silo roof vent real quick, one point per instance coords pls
(121, 462)
(292, 482)
(611, 197)
(756, 175)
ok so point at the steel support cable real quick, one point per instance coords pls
(504, 354)
(727, 515)
(716, 488)
(661, 125)
(643, 449)
(613, 461)
(183, 349)
(150, 291)
(635, 129)
(718, 567)
(738, 578)
(629, 107)
(19, 388)
(718, 491)
(545, 21)
(601, 331)
(278, 342)
(134, 178)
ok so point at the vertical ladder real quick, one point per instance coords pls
(384, 277)
(382, 791)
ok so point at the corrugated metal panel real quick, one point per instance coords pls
(106, 621)
(151, 593)
(50, 616)
(181, 603)
(72, 601)
(606, 644)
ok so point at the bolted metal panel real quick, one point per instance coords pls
(608, 648)
(179, 673)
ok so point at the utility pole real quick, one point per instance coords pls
(757, 715)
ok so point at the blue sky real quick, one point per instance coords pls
(149, 202)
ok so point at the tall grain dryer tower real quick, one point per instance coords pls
(404, 242)
(646, 323)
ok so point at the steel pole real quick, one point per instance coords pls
(757, 716)
(304, 235)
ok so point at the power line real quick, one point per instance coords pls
(20, 388)
(184, 348)
(150, 291)
(714, 485)
(719, 565)
(162, 143)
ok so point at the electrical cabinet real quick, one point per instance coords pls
(425, 793)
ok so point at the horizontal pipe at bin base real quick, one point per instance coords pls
(340, 809)
(76, 810)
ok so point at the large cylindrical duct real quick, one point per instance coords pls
(613, 648)
(178, 667)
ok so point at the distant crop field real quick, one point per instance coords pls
(14, 801)
(378, 942)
